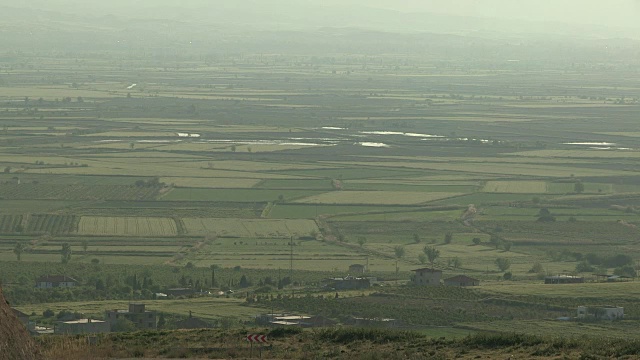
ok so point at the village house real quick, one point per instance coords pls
(142, 319)
(601, 312)
(461, 281)
(357, 269)
(82, 326)
(55, 281)
(563, 279)
(427, 277)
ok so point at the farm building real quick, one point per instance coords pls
(601, 312)
(563, 279)
(357, 269)
(82, 326)
(349, 283)
(427, 277)
(461, 280)
(192, 323)
(53, 281)
(143, 319)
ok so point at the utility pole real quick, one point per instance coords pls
(291, 260)
(396, 272)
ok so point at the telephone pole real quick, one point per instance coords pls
(291, 265)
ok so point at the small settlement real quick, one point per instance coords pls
(138, 317)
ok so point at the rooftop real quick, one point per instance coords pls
(56, 278)
(347, 278)
(461, 278)
(292, 317)
(82, 321)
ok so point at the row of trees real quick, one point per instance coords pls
(65, 251)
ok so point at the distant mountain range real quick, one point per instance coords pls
(295, 15)
(253, 26)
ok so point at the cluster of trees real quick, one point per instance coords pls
(65, 252)
(448, 238)
(496, 241)
(153, 182)
(622, 264)
(544, 215)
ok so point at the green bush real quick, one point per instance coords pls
(348, 335)
(284, 332)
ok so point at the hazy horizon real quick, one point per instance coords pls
(615, 14)
(316, 26)
(624, 13)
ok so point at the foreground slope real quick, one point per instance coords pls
(15, 342)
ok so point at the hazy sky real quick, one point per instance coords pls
(610, 13)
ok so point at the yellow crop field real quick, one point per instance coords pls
(516, 187)
(127, 226)
(250, 228)
(376, 197)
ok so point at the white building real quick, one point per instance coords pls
(47, 282)
(601, 312)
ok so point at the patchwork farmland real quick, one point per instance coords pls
(127, 226)
(52, 224)
(301, 166)
(251, 228)
(77, 192)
